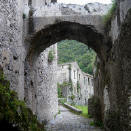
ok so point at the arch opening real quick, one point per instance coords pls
(40, 41)
(51, 34)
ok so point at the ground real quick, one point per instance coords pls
(68, 121)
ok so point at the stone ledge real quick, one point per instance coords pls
(73, 108)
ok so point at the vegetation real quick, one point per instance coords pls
(97, 123)
(108, 17)
(64, 84)
(13, 113)
(50, 56)
(78, 87)
(59, 92)
(24, 15)
(84, 110)
(72, 97)
(62, 101)
(71, 50)
(60, 86)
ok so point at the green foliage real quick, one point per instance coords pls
(50, 56)
(59, 91)
(60, 86)
(71, 50)
(64, 84)
(24, 15)
(78, 87)
(72, 97)
(14, 111)
(59, 112)
(108, 17)
(92, 123)
(62, 101)
(97, 123)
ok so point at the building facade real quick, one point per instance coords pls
(80, 87)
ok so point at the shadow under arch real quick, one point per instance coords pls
(59, 31)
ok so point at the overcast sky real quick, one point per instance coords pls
(82, 2)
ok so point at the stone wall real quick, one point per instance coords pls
(16, 66)
(114, 71)
(46, 83)
(12, 48)
(41, 84)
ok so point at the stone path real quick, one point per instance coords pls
(68, 121)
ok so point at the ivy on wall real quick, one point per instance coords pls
(50, 56)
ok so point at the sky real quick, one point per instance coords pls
(83, 2)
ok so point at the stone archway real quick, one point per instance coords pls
(44, 38)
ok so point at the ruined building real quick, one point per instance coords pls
(81, 83)
(23, 37)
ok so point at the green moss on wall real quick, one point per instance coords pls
(50, 56)
(108, 17)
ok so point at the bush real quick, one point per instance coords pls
(72, 97)
(13, 112)
(24, 15)
(108, 17)
(59, 92)
(62, 101)
(50, 56)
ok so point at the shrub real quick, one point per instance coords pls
(59, 92)
(72, 97)
(64, 84)
(108, 17)
(24, 15)
(13, 113)
(62, 101)
(50, 56)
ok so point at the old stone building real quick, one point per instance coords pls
(81, 83)
(23, 40)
